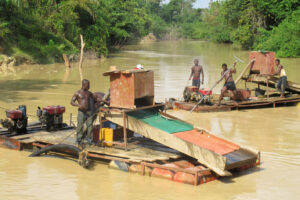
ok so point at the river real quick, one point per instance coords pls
(275, 132)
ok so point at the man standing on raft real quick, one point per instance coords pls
(195, 73)
(229, 83)
(86, 110)
(281, 86)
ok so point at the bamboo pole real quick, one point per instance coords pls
(244, 71)
(81, 57)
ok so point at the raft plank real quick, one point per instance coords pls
(135, 154)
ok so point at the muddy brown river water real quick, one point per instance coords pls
(275, 132)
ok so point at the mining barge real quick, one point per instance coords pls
(134, 134)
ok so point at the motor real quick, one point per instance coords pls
(51, 116)
(16, 121)
(192, 93)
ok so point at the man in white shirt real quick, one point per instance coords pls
(281, 85)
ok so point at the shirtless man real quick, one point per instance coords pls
(195, 73)
(229, 83)
(283, 78)
(86, 107)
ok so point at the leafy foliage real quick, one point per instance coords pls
(41, 30)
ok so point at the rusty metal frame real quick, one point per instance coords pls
(10, 143)
(194, 172)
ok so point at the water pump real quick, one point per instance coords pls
(192, 93)
(16, 121)
(51, 116)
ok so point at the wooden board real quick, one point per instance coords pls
(273, 80)
(136, 153)
(144, 84)
(121, 85)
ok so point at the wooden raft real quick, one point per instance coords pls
(136, 153)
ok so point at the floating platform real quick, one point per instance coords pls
(291, 100)
(143, 155)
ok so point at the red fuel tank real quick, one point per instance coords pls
(53, 110)
(14, 114)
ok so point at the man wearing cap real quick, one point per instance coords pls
(196, 71)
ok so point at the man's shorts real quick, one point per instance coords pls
(230, 86)
(196, 82)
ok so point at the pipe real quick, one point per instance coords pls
(82, 155)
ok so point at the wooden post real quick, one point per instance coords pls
(143, 169)
(81, 57)
(100, 129)
(70, 119)
(196, 179)
(267, 87)
(66, 59)
(125, 130)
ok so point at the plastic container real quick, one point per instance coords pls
(226, 99)
(107, 135)
(114, 164)
(14, 114)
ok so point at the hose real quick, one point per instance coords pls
(82, 155)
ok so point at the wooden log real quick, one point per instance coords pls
(66, 59)
(244, 71)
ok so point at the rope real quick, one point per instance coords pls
(93, 115)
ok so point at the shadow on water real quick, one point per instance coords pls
(250, 171)
(10, 89)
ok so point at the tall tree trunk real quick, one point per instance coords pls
(81, 57)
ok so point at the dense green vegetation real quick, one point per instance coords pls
(272, 25)
(41, 30)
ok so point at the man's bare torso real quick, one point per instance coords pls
(83, 99)
(197, 71)
(228, 76)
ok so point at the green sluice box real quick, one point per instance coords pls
(155, 119)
